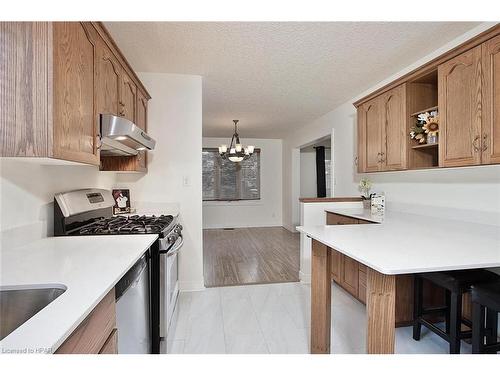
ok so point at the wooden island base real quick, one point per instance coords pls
(380, 305)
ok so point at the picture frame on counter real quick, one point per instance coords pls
(122, 201)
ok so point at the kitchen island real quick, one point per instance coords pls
(400, 244)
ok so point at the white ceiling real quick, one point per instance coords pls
(275, 77)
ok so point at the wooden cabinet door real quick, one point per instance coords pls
(107, 80)
(337, 266)
(111, 344)
(459, 81)
(350, 275)
(128, 97)
(94, 332)
(490, 144)
(393, 154)
(360, 159)
(141, 121)
(371, 121)
(334, 219)
(75, 130)
(362, 270)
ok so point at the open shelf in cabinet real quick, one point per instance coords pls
(422, 96)
(425, 145)
(433, 108)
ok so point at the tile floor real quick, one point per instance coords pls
(275, 318)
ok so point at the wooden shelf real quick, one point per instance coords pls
(425, 110)
(426, 145)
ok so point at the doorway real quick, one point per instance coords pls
(316, 169)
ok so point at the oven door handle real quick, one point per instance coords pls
(174, 249)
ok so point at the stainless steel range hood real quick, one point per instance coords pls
(121, 137)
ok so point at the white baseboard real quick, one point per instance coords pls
(290, 228)
(263, 225)
(191, 286)
(304, 278)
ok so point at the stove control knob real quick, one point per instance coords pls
(180, 227)
(177, 230)
(171, 239)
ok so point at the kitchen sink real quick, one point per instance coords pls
(18, 304)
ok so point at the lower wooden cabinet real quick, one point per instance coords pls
(362, 282)
(336, 219)
(111, 344)
(97, 334)
(337, 266)
(350, 275)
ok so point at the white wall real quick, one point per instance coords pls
(454, 191)
(174, 167)
(27, 192)
(262, 213)
(308, 186)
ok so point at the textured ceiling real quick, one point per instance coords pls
(275, 77)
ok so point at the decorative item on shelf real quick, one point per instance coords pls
(364, 187)
(122, 201)
(426, 128)
(236, 152)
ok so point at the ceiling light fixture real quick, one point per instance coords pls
(236, 152)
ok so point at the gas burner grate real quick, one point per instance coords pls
(133, 224)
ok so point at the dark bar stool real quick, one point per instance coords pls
(455, 283)
(485, 299)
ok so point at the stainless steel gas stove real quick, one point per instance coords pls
(89, 212)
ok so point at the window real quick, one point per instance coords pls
(224, 180)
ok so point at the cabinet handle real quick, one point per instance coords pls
(356, 160)
(122, 113)
(382, 159)
(475, 144)
(485, 143)
(121, 103)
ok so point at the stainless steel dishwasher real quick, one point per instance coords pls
(132, 310)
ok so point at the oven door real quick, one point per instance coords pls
(169, 284)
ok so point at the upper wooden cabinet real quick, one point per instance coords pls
(75, 130)
(57, 77)
(463, 86)
(490, 62)
(459, 93)
(142, 121)
(394, 137)
(381, 132)
(128, 97)
(108, 80)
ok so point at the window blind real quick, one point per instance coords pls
(224, 180)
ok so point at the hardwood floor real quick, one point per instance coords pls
(250, 256)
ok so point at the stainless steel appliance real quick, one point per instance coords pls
(89, 212)
(120, 136)
(169, 279)
(132, 310)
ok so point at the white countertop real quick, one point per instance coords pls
(89, 267)
(406, 243)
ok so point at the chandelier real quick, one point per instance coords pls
(236, 152)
